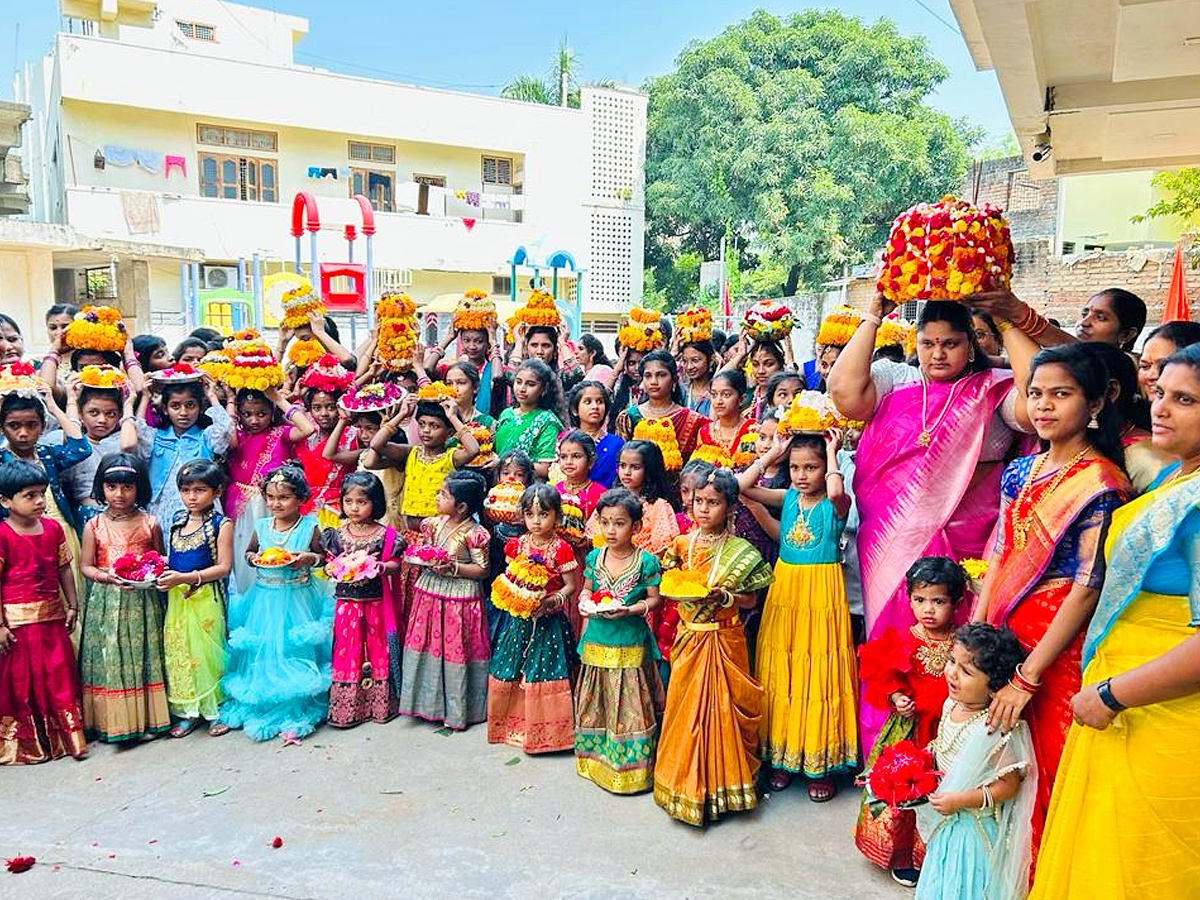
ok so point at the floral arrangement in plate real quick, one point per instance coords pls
(179, 373)
(139, 569)
(539, 309)
(678, 584)
(103, 376)
(662, 433)
(353, 567)
(519, 591)
(396, 340)
(299, 303)
(602, 601)
(487, 446)
(896, 332)
(274, 558)
(476, 311)
(503, 503)
(713, 454)
(694, 324)
(437, 391)
(254, 367)
(570, 525)
(326, 374)
(838, 327)
(812, 412)
(769, 320)
(20, 378)
(426, 555)
(903, 775)
(395, 305)
(304, 353)
(946, 251)
(374, 397)
(97, 328)
(642, 330)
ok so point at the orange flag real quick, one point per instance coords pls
(1176, 308)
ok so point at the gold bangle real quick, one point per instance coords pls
(1004, 325)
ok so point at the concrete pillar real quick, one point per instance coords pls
(65, 290)
(133, 294)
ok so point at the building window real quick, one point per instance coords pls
(376, 153)
(496, 170)
(239, 138)
(196, 31)
(424, 183)
(377, 187)
(238, 178)
(501, 284)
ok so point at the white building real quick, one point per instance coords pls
(187, 125)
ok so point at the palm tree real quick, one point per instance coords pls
(558, 88)
(529, 89)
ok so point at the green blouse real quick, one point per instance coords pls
(630, 587)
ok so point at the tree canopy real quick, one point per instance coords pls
(1182, 188)
(803, 136)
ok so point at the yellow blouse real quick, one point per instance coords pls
(422, 480)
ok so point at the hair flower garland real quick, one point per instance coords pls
(475, 312)
(299, 304)
(97, 328)
(694, 324)
(947, 250)
(642, 330)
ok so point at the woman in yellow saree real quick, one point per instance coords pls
(1122, 821)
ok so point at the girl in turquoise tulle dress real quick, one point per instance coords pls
(278, 675)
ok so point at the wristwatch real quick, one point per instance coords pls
(1104, 689)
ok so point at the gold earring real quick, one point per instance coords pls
(1094, 423)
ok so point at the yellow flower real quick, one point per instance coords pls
(662, 433)
(304, 353)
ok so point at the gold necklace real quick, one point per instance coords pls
(652, 413)
(1024, 509)
(934, 653)
(925, 438)
(597, 435)
(372, 529)
(576, 487)
(718, 433)
(801, 534)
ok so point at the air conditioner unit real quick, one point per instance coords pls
(216, 277)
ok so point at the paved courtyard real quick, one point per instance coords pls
(397, 811)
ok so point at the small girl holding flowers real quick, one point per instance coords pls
(529, 687)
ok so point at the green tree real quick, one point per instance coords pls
(805, 135)
(557, 88)
(1182, 188)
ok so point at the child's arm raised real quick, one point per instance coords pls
(747, 479)
(468, 446)
(331, 452)
(293, 414)
(383, 452)
(835, 481)
(767, 522)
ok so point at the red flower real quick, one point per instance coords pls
(20, 864)
(21, 368)
(277, 843)
(902, 773)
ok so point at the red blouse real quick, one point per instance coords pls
(903, 661)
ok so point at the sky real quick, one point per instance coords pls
(478, 46)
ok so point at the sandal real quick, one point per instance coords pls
(821, 791)
(182, 728)
(216, 729)
(780, 780)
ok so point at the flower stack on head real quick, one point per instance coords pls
(299, 304)
(487, 446)
(397, 338)
(180, 373)
(503, 503)
(240, 339)
(215, 364)
(539, 309)
(522, 587)
(437, 391)
(769, 320)
(304, 353)
(679, 584)
(475, 312)
(255, 368)
(811, 412)
(570, 525)
(662, 433)
(353, 567)
(642, 330)
(326, 374)
(714, 455)
(903, 774)
(97, 328)
(20, 378)
(896, 332)
(946, 251)
(374, 397)
(838, 327)
(694, 324)
(106, 377)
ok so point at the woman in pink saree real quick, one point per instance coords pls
(929, 462)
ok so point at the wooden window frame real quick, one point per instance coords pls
(371, 158)
(225, 129)
(379, 206)
(248, 189)
(483, 161)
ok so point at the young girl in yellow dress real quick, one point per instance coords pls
(706, 753)
(805, 657)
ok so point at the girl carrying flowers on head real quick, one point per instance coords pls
(529, 688)
(321, 386)
(446, 643)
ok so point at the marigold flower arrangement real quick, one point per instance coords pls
(215, 364)
(352, 567)
(746, 450)
(642, 330)
(302, 354)
(97, 328)
(374, 397)
(437, 391)
(108, 377)
(713, 454)
(838, 327)
(694, 324)
(327, 374)
(177, 374)
(903, 774)
(811, 411)
(602, 601)
(503, 503)
(896, 332)
(475, 312)
(976, 571)
(299, 304)
(273, 557)
(769, 320)
(570, 525)
(679, 584)
(139, 568)
(662, 433)
(487, 445)
(255, 368)
(519, 591)
(395, 305)
(426, 555)
(539, 309)
(946, 251)
(396, 342)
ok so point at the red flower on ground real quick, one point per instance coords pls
(277, 843)
(20, 864)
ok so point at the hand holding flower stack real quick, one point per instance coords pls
(522, 587)
(642, 330)
(97, 328)
(397, 338)
(299, 304)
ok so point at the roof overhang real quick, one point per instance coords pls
(1093, 85)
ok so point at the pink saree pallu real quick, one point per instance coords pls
(922, 491)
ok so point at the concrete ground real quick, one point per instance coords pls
(397, 811)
